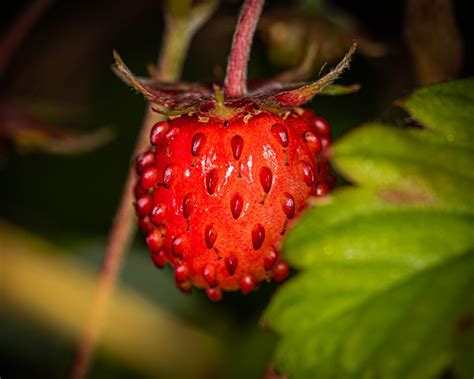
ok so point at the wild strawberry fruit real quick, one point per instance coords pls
(224, 180)
(219, 195)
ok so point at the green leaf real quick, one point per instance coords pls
(448, 109)
(381, 156)
(365, 226)
(363, 321)
(386, 288)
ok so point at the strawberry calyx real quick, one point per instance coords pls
(173, 99)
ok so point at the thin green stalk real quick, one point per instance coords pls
(181, 26)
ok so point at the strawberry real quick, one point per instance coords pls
(216, 197)
(225, 179)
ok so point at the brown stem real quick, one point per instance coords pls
(235, 83)
(19, 30)
(123, 228)
(120, 238)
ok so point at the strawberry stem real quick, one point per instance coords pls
(123, 229)
(235, 83)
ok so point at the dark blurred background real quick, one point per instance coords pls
(56, 206)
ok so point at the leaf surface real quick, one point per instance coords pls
(386, 281)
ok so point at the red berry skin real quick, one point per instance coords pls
(159, 258)
(321, 189)
(214, 294)
(144, 161)
(145, 225)
(143, 205)
(281, 271)
(270, 258)
(158, 132)
(149, 177)
(321, 126)
(224, 193)
(154, 240)
(247, 284)
(313, 141)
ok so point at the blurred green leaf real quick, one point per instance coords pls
(447, 109)
(387, 282)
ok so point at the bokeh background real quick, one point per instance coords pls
(61, 177)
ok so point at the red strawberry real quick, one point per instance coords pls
(226, 178)
(216, 196)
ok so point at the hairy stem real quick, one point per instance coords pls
(20, 29)
(178, 34)
(235, 83)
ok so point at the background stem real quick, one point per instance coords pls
(235, 84)
(20, 29)
(120, 238)
(178, 34)
(181, 25)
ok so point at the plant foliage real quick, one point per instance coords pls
(386, 281)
